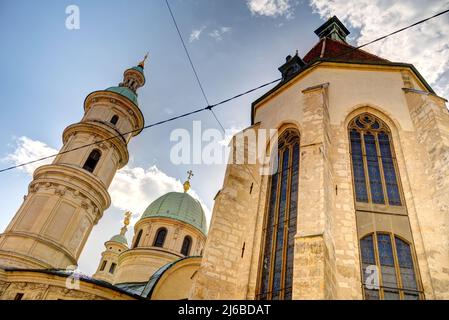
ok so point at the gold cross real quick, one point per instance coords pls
(190, 174)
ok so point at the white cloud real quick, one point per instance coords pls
(132, 188)
(425, 46)
(217, 34)
(195, 35)
(135, 188)
(271, 8)
(29, 150)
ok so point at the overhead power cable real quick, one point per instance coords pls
(141, 129)
(198, 79)
(187, 51)
(210, 107)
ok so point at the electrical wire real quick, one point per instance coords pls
(140, 129)
(210, 107)
(198, 79)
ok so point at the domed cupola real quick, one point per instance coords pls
(108, 266)
(171, 228)
(179, 206)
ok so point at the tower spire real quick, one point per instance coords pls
(68, 197)
(142, 63)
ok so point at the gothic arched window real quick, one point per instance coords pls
(186, 244)
(92, 160)
(139, 235)
(276, 270)
(114, 119)
(388, 268)
(160, 237)
(373, 162)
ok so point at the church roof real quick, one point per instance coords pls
(67, 273)
(332, 47)
(120, 239)
(127, 93)
(138, 68)
(178, 206)
(328, 48)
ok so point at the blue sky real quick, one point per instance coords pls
(48, 70)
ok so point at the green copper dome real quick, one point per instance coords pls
(138, 68)
(120, 239)
(124, 91)
(179, 206)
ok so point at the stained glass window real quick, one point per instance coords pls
(373, 162)
(388, 260)
(276, 270)
(357, 166)
(369, 260)
(389, 171)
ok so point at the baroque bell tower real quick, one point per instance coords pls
(68, 197)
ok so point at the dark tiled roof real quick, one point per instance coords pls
(331, 49)
(65, 273)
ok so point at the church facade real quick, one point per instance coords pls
(357, 208)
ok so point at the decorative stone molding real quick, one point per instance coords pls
(3, 287)
(176, 233)
(61, 190)
(21, 285)
(34, 188)
(426, 93)
(102, 146)
(84, 204)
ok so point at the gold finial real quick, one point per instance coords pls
(187, 183)
(142, 63)
(127, 217)
(125, 222)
